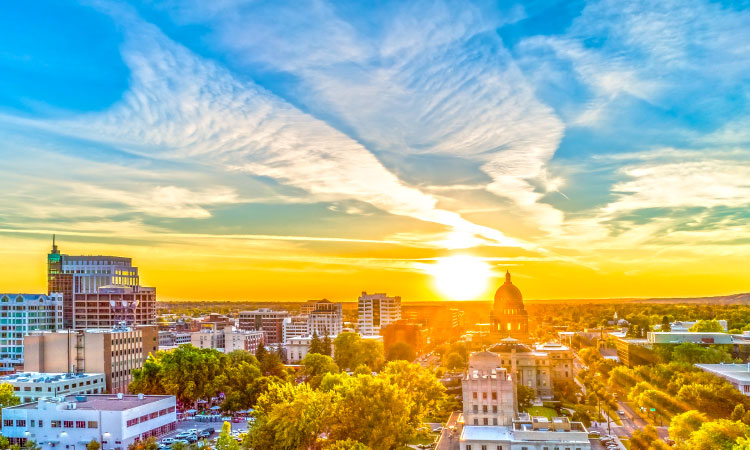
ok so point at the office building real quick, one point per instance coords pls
(375, 311)
(70, 422)
(248, 341)
(488, 392)
(21, 314)
(294, 326)
(99, 291)
(326, 319)
(208, 338)
(264, 319)
(31, 386)
(115, 353)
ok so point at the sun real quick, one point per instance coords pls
(461, 277)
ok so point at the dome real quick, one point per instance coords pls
(508, 296)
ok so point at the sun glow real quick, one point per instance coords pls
(461, 277)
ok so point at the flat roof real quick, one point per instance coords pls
(41, 377)
(103, 402)
(739, 372)
(485, 433)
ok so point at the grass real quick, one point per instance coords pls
(423, 439)
(541, 411)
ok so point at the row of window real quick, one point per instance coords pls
(484, 395)
(500, 447)
(49, 389)
(485, 408)
(21, 423)
(147, 417)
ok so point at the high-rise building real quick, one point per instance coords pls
(99, 291)
(295, 326)
(115, 353)
(326, 319)
(21, 314)
(375, 311)
(264, 319)
(508, 316)
(488, 392)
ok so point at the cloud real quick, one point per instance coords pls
(181, 106)
(432, 78)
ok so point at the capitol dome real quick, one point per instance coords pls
(508, 296)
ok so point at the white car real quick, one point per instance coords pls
(167, 441)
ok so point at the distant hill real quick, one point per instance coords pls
(733, 299)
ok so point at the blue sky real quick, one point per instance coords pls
(575, 140)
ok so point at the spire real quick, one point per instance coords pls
(54, 245)
(507, 276)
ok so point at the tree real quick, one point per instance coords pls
(7, 396)
(454, 361)
(93, 445)
(524, 396)
(315, 366)
(327, 345)
(666, 325)
(721, 434)
(401, 350)
(146, 444)
(260, 353)
(316, 346)
(4, 443)
(706, 326)
(225, 440)
(425, 391)
(272, 366)
(683, 425)
(348, 444)
(346, 346)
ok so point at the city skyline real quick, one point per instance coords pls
(271, 152)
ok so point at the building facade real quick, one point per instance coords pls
(376, 311)
(114, 353)
(115, 421)
(264, 319)
(248, 341)
(31, 386)
(326, 319)
(21, 314)
(738, 375)
(99, 291)
(527, 433)
(509, 318)
(488, 392)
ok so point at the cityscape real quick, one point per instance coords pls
(318, 225)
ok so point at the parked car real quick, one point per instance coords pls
(237, 419)
(167, 440)
(181, 441)
(206, 433)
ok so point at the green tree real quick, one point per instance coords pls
(272, 366)
(683, 425)
(316, 345)
(524, 396)
(145, 444)
(93, 445)
(315, 366)
(4, 443)
(454, 361)
(721, 434)
(7, 396)
(706, 326)
(225, 440)
(401, 350)
(261, 352)
(666, 325)
(346, 346)
(348, 444)
(327, 345)
(425, 391)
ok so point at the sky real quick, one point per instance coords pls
(273, 150)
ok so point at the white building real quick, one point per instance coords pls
(71, 422)
(209, 338)
(296, 326)
(736, 374)
(21, 314)
(296, 349)
(327, 319)
(527, 433)
(31, 386)
(488, 391)
(376, 311)
(243, 340)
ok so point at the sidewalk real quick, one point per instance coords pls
(449, 440)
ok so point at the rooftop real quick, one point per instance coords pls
(40, 377)
(740, 372)
(100, 402)
(485, 433)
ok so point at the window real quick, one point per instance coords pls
(7, 422)
(486, 421)
(476, 422)
(93, 424)
(468, 447)
(57, 424)
(476, 408)
(494, 396)
(474, 395)
(484, 395)
(494, 408)
(21, 423)
(484, 408)
(80, 424)
(499, 447)
(484, 447)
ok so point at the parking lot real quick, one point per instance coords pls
(186, 425)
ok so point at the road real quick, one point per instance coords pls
(449, 440)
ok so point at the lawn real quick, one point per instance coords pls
(541, 411)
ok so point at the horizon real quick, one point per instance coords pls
(273, 152)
